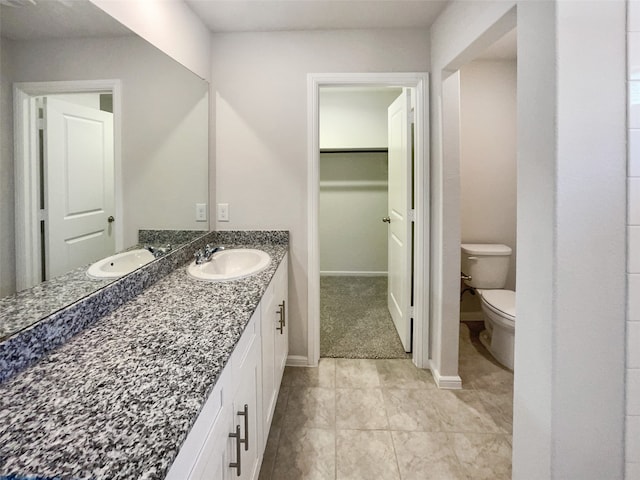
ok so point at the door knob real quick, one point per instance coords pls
(110, 219)
(386, 219)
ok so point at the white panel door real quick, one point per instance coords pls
(399, 230)
(80, 189)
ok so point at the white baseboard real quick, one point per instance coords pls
(297, 361)
(470, 316)
(446, 382)
(352, 274)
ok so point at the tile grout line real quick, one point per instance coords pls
(335, 420)
(386, 414)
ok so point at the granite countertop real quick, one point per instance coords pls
(24, 308)
(118, 399)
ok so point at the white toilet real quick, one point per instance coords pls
(488, 265)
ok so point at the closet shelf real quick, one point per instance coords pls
(361, 184)
(355, 150)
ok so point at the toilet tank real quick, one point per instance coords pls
(486, 263)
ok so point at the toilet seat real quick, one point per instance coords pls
(501, 302)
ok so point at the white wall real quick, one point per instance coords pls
(354, 117)
(571, 207)
(169, 25)
(488, 159)
(353, 185)
(633, 246)
(458, 34)
(353, 200)
(260, 84)
(590, 219)
(164, 122)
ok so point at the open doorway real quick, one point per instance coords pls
(361, 308)
(479, 112)
(488, 216)
(67, 165)
(336, 177)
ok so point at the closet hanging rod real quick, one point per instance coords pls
(354, 150)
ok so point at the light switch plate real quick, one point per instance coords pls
(201, 212)
(223, 212)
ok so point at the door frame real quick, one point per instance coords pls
(27, 226)
(420, 83)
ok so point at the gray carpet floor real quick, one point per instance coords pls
(355, 321)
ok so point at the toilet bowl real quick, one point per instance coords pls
(499, 314)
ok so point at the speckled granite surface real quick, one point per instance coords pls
(118, 399)
(168, 236)
(25, 308)
(28, 306)
(33, 342)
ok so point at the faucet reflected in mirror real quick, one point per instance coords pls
(160, 146)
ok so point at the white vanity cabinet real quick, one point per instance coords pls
(227, 440)
(275, 343)
(225, 443)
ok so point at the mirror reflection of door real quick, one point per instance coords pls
(77, 182)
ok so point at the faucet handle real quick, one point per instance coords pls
(210, 249)
(199, 255)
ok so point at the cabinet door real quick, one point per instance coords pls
(215, 457)
(247, 412)
(205, 452)
(282, 334)
(275, 342)
(268, 332)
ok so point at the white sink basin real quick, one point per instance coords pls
(120, 264)
(230, 265)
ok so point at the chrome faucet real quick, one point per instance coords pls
(159, 251)
(203, 255)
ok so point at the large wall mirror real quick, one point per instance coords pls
(96, 126)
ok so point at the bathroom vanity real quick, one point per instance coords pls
(179, 382)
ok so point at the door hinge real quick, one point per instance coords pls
(411, 312)
(42, 214)
(412, 215)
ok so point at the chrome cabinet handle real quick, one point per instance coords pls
(280, 326)
(386, 219)
(283, 314)
(245, 413)
(238, 463)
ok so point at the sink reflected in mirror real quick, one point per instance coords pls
(54, 52)
(120, 264)
(230, 265)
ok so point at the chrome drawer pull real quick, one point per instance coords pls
(245, 413)
(280, 328)
(283, 313)
(238, 463)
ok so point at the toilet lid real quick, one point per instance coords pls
(502, 300)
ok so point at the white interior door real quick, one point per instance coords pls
(80, 186)
(399, 230)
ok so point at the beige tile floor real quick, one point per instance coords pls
(386, 419)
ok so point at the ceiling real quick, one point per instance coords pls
(287, 15)
(51, 19)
